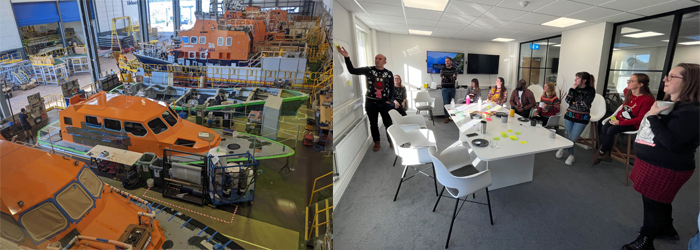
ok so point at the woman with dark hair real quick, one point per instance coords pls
(399, 95)
(549, 104)
(638, 101)
(498, 94)
(665, 154)
(577, 116)
(474, 91)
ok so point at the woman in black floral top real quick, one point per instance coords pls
(400, 95)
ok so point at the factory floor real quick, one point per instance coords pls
(277, 217)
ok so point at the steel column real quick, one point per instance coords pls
(88, 25)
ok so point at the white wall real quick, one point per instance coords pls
(407, 55)
(687, 54)
(9, 35)
(109, 9)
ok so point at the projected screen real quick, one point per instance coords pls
(436, 61)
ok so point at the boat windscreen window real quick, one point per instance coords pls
(157, 126)
(91, 182)
(172, 120)
(193, 40)
(220, 41)
(43, 221)
(67, 120)
(93, 121)
(229, 41)
(202, 39)
(113, 124)
(74, 200)
(10, 229)
(136, 129)
(185, 39)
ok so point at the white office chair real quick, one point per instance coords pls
(453, 171)
(553, 121)
(408, 122)
(412, 147)
(615, 153)
(597, 112)
(537, 91)
(424, 102)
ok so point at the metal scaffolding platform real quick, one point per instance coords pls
(6, 69)
(78, 63)
(51, 74)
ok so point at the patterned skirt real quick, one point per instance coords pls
(657, 183)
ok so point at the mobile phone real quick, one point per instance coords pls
(472, 134)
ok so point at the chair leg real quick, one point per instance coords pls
(473, 195)
(454, 215)
(438, 201)
(430, 112)
(417, 112)
(488, 199)
(402, 176)
(396, 158)
(435, 179)
(627, 159)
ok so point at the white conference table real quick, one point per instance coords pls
(511, 162)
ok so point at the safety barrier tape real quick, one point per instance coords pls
(192, 211)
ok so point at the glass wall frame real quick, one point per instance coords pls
(538, 66)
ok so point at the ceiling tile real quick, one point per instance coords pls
(489, 23)
(392, 26)
(562, 8)
(627, 5)
(518, 26)
(388, 19)
(421, 27)
(423, 14)
(504, 14)
(485, 2)
(466, 8)
(382, 9)
(533, 5)
(594, 13)
(474, 28)
(415, 21)
(447, 30)
(350, 6)
(665, 7)
(445, 35)
(396, 31)
(593, 2)
(457, 18)
(387, 2)
(453, 26)
(367, 21)
(535, 18)
(542, 28)
(618, 18)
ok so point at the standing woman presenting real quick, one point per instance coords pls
(579, 98)
(665, 149)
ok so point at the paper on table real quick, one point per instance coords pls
(462, 108)
(469, 124)
(496, 108)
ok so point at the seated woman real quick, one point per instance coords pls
(474, 92)
(638, 101)
(549, 104)
(522, 99)
(498, 94)
(399, 95)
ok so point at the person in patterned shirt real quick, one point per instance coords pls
(379, 98)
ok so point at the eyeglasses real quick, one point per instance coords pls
(669, 78)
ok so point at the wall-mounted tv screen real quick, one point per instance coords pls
(482, 64)
(436, 61)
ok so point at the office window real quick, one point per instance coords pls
(539, 61)
(688, 44)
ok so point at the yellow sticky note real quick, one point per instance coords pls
(349, 83)
(505, 136)
(512, 137)
(510, 131)
(517, 133)
(523, 142)
(496, 139)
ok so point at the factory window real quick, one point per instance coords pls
(113, 125)
(135, 128)
(67, 120)
(91, 182)
(43, 221)
(170, 118)
(93, 121)
(157, 126)
(220, 41)
(74, 200)
(10, 229)
(202, 39)
(193, 40)
(192, 55)
(185, 39)
(229, 41)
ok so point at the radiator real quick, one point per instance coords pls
(349, 146)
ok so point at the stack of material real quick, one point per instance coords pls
(43, 60)
(106, 42)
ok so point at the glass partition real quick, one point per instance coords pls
(688, 45)
(539, 61)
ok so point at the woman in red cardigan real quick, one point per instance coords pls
(665, 150)
(638, 101)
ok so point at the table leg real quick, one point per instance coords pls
(511, 171)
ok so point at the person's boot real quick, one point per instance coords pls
(391, 145)
(606, 157)
(668, 234)
(377, 145)
(447, 120)
(596, 158)
(641, 243)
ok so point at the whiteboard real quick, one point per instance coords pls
(343, 82)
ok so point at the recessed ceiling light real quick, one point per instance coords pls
(502, 39)
(616, 49)
(691, 43)
(563, 22)
(437, 5)
(420, 32)
(664, 41)
(697, 38)
(645, 34)
(626, 30)
(557, 45)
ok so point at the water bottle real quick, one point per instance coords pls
(452, 104)
(468, 100)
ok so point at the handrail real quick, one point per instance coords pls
(314, 186)
(313, 222)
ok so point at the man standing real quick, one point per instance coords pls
(379, 97)
(24, 121)
(449, 77)
(522, 99)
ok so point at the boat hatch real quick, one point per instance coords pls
(183, 142)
